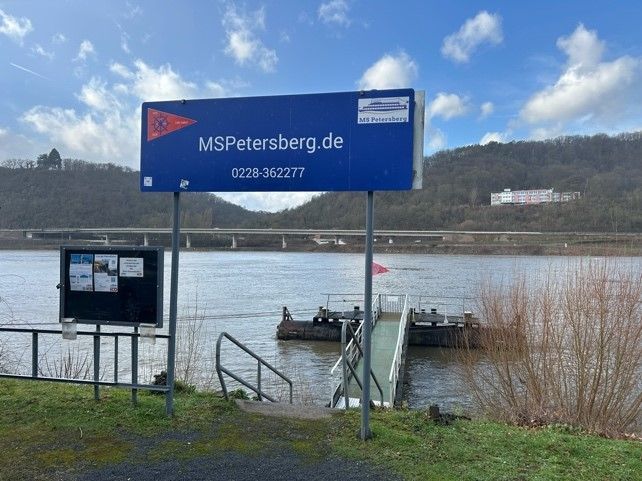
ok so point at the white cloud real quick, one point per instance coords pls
(97, 135)
(124, 45)
(447, 106)
(487, 108)
(41, 51)
(215, 89)
(86, 49)
(120, 69)
(132, 11)
(483, 28)
(389, 72)
(492, 137)
(59, 38)
(160, 84)
(14, 28)
(97, 97)
(583, 48)
(18, 146)
(436, 138)
(107, 127)
(589, 91)
(243, 44)
(335, 12)
(267, 201)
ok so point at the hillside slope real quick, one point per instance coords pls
(101, 195)
(456, 193)
(457, 186)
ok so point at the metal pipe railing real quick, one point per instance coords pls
(376, 312)
(348, 365)
(396, 362)
(220, 370)
(96, 382)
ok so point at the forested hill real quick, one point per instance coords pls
(456, 193)
(457, 186)
(82, 194)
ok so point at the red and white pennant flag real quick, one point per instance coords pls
(378, 269)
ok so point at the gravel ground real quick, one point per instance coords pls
(286, 466)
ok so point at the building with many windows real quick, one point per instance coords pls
(534, 196)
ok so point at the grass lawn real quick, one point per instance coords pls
(49, 428)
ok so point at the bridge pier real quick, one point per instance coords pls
(284, 244)
(188, 241)
(233, 241)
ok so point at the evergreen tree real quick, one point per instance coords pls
(54, 159)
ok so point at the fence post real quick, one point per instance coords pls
(116, 359)
(97, 362)
(135, 365)
(34, 354)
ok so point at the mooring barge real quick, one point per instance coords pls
(427, 326)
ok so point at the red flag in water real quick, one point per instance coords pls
(378, 269)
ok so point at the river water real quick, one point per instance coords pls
(242, 293)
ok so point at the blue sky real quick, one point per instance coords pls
(74, 73)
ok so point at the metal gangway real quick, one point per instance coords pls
(390, 322)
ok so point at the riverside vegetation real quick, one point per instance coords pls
(455, 195)
(566, 349)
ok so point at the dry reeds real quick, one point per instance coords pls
(567, 350)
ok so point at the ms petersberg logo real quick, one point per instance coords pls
(383, 110)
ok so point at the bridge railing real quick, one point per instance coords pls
(396, 362)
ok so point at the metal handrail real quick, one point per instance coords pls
(454, 302)
(260, 361)
(348, 365)
(396, 363)
(376, 312)
(96, 382)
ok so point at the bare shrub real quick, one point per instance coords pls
(72, 364)
(4, 357)
(302, 392)
(568, 350)
(189, 345)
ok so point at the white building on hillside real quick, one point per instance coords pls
(534, 196)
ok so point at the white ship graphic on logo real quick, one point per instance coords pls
(383, 110)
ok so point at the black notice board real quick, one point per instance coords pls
(112, 285)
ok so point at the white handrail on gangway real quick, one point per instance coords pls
(396, 363)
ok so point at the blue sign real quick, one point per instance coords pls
(349, 141)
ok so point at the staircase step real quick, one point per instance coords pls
(284, 410)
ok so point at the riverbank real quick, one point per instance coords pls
(58, 432)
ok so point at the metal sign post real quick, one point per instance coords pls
(173, 302)
(367, 322)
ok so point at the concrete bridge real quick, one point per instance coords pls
(143, 235)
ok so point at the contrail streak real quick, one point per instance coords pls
(27, 70)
